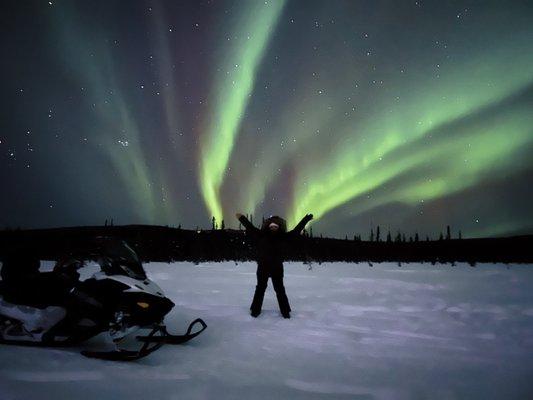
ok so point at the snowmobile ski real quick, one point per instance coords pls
(167, 338)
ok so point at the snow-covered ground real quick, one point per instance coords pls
(357, 332)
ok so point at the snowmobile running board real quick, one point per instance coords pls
(167, 338)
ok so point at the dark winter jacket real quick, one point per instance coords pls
(270, 246)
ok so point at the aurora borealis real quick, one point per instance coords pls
(409, 115)
(234, 84)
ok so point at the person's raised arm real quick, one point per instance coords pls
(247, 224)
(301, 225)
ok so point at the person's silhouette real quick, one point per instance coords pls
(269, 241)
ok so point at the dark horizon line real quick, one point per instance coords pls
(422, 238)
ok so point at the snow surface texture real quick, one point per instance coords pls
(358, 332)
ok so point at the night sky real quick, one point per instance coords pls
(405, 114)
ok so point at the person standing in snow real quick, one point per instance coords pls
(269, 241)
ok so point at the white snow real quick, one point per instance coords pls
(419, 331)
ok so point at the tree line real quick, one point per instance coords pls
(374, 235)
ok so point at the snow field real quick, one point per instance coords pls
(419, 331)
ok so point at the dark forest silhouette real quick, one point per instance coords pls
(163, 243)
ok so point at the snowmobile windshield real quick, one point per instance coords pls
(118, 258)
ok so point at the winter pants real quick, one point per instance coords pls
(276, 274)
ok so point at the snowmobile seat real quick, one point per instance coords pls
(36, 290)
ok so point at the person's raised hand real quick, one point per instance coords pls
(309, 216)
(238, 215)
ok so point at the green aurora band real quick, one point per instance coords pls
(367, 160)
(234, 85)
(112, 121)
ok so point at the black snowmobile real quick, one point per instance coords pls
(118, 300)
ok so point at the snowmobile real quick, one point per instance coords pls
(118, 300)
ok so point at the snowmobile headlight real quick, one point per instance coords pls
(142, 304)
